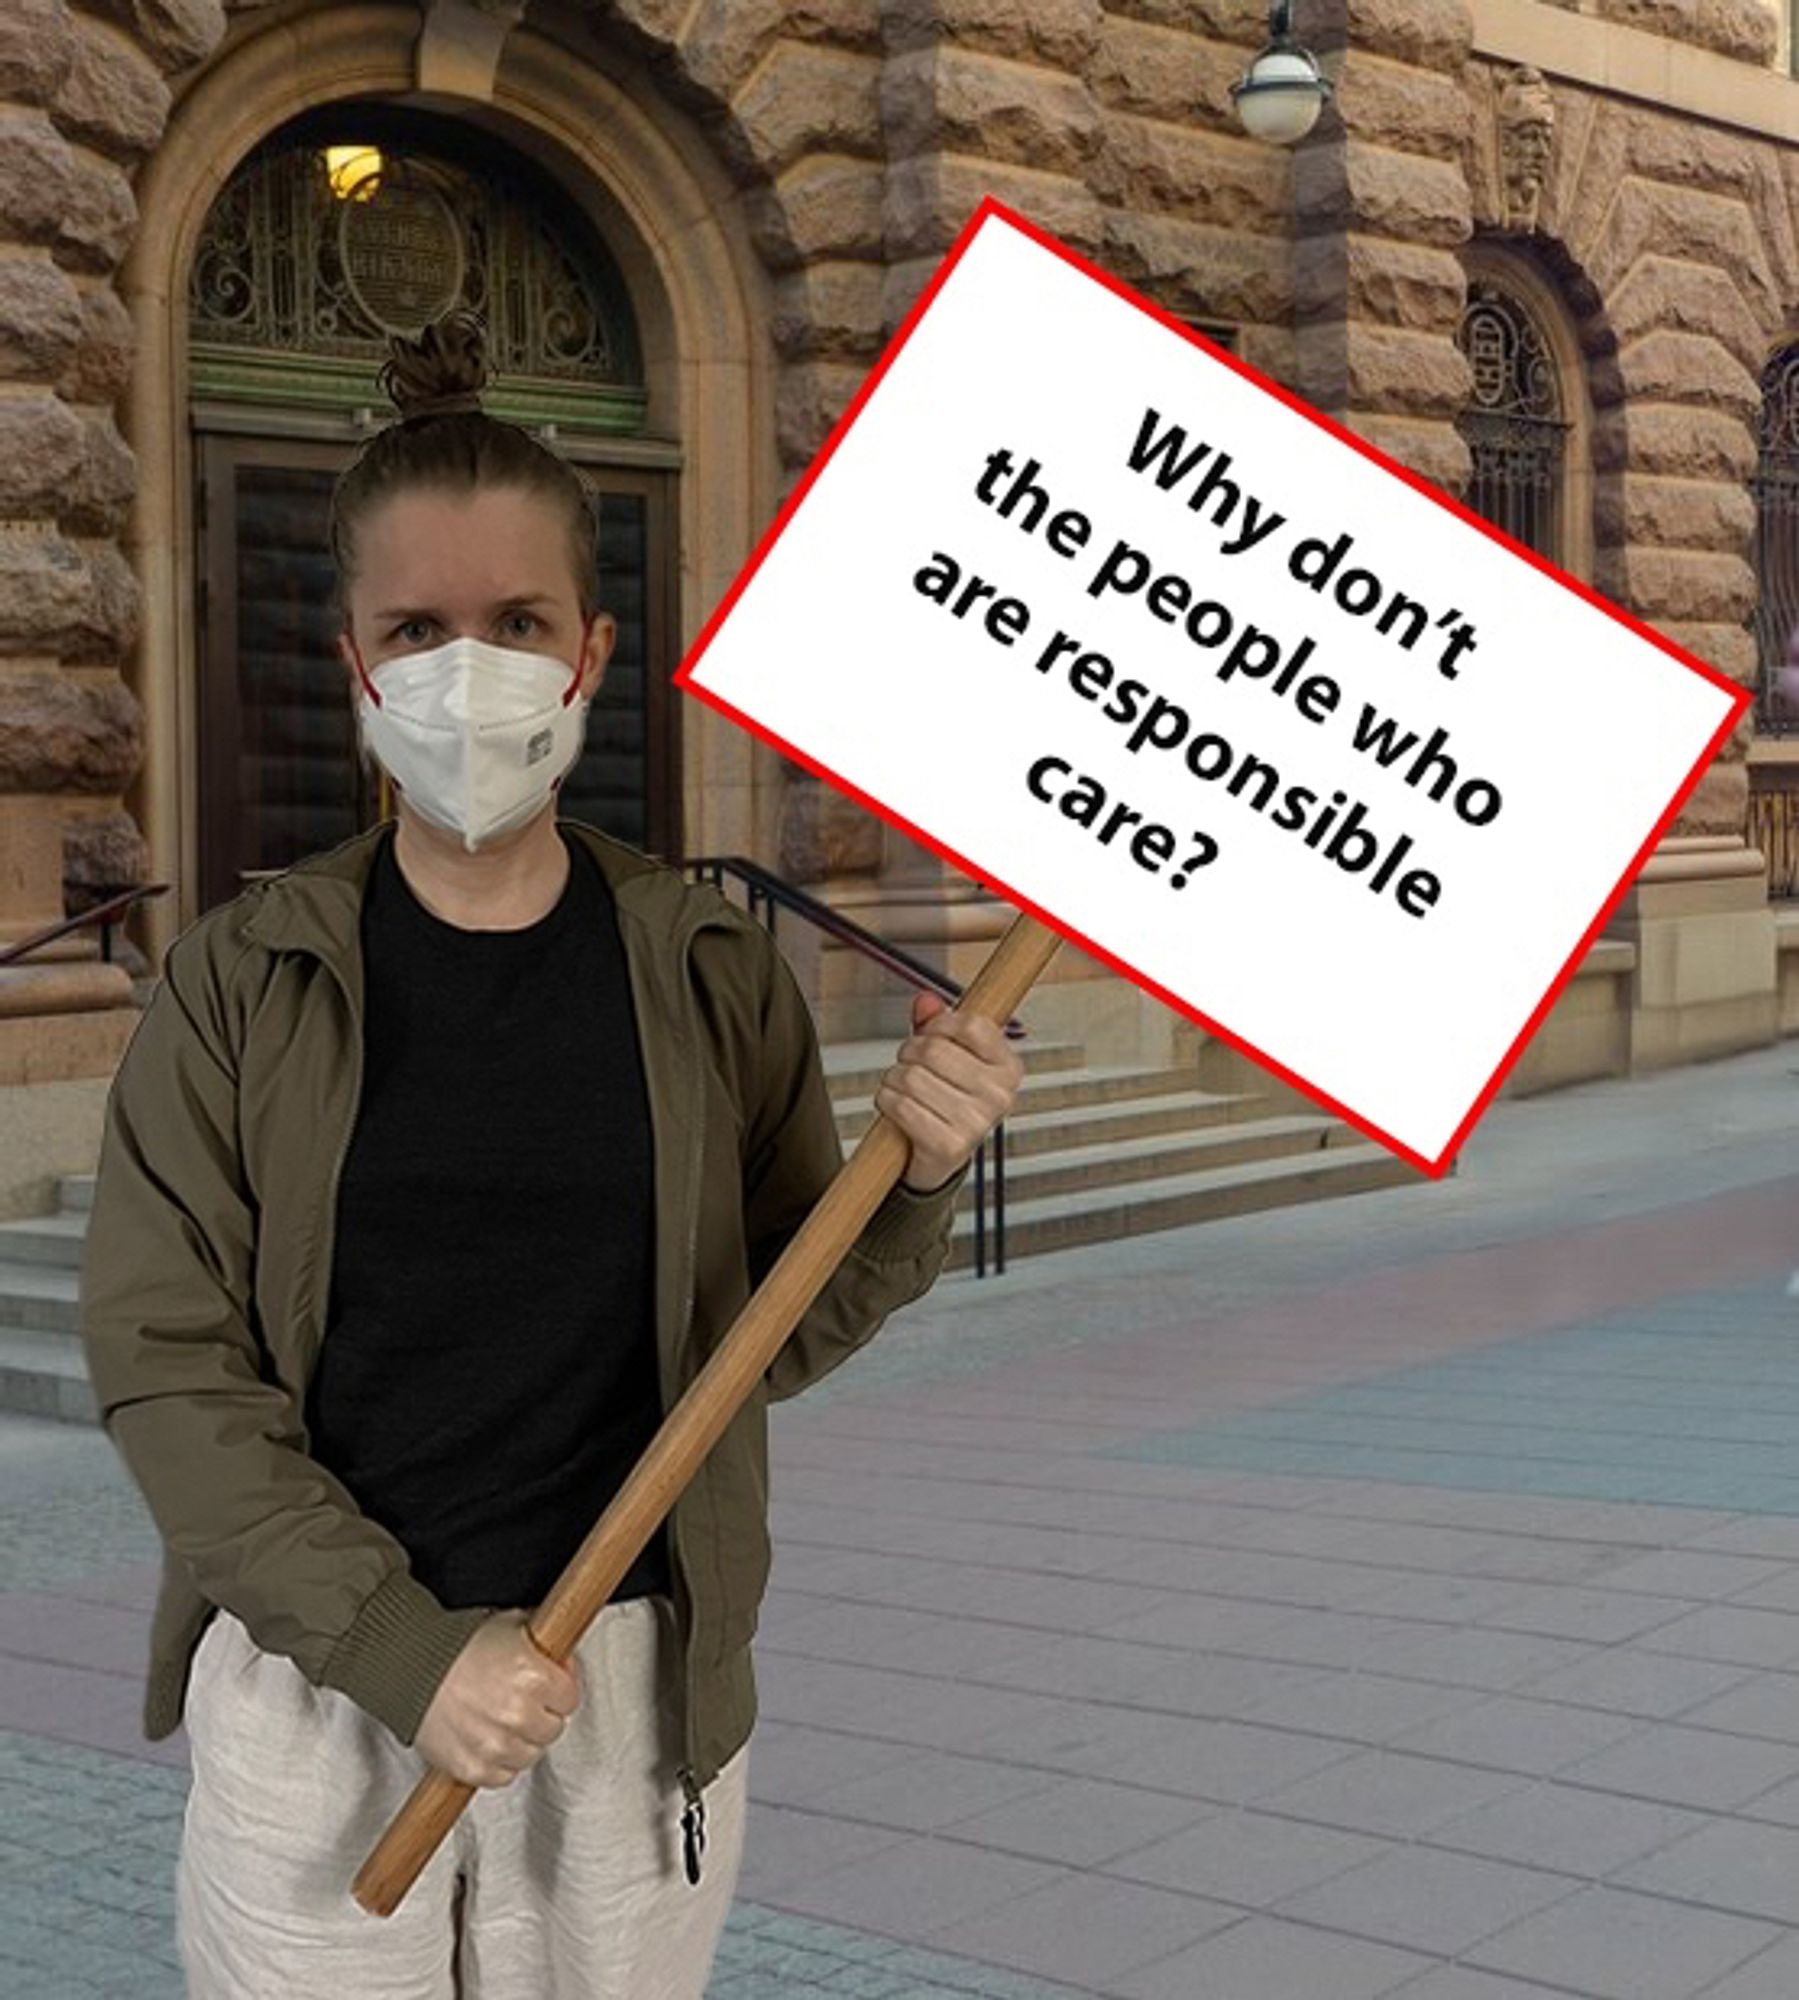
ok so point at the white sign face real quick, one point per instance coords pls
(1259, 719)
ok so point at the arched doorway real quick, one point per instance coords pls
(339, 228)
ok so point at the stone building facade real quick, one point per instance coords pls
(1546, 254)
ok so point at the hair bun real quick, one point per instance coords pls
(440, 373)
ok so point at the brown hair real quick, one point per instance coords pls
(444, 439)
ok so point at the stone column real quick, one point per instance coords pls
(974, 100)
(793, 106)
(1381, 206)
(1662, 222)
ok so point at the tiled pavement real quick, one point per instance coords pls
(1399, 1596)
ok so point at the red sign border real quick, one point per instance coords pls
(992, 209)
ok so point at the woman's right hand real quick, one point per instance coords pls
(500, 1706)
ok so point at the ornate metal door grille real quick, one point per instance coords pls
(1514, 426)
(301, 275)
(1777, 537)
(344, 226)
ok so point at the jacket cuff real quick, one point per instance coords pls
(907, 1223)
(397, 1651)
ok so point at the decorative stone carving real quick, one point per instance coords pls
(1526, 115)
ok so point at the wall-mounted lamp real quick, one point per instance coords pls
(1282, 92)
(353, 172)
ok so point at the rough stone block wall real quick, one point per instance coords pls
(1341, 264)
(1196, 213)
(83, 98)
(859, 134)
(862, 135)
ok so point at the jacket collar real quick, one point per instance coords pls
(316, 904)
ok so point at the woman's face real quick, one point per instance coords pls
(494, 564)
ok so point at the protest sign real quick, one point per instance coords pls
(1206, 684)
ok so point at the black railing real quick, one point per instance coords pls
(113, 910)
(767, 894)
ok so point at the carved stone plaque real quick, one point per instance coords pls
(402, 253)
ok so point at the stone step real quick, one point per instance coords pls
(55, 1240)
(45, 1375)
(75, 1193)
(1175, 1112)
(1068, 1125)
(1163, 1155)
(39, 1296)
(1056, 1199)
(1106, 1213)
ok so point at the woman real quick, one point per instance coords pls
(434, 1170)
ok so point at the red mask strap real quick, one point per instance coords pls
(580, 661)
(374, 692)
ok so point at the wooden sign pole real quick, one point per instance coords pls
(700, 1418)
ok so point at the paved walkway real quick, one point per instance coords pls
(1394, 1596)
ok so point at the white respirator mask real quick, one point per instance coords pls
(477, 737)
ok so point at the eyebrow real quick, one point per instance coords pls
(529, 601)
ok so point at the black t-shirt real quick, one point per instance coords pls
(488, 1375)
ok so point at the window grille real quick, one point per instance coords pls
(1514, 425)
(1777, 537)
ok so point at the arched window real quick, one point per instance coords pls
(1777, 525)
(355, 223)
(1516, 423)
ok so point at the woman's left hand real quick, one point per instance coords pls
(955, 1079)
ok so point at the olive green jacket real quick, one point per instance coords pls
(208, 1262)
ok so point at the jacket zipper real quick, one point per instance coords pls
(327, 1240)
(693, 1816)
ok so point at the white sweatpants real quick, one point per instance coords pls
(566, 1884)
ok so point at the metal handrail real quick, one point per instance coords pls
(774, 893)
(105, 914)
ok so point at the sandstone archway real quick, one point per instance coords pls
(661, 200)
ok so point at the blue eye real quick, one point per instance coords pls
(522, 624)
(414, 631)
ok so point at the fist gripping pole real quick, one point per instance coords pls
(700, 1418)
